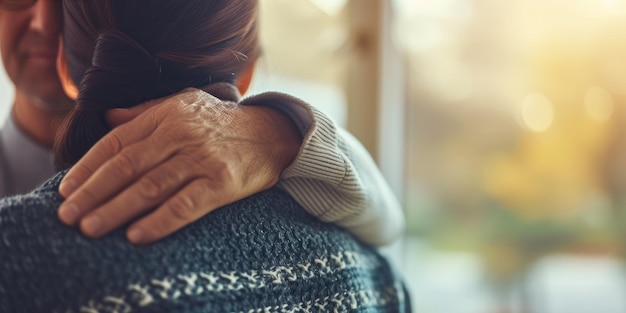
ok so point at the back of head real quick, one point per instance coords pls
(121, 53)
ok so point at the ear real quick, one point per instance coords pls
(64, 76)
(243, 81)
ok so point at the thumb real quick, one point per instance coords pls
(117, 117)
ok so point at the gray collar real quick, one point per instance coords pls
(25, 164)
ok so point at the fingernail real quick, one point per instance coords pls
(91, 224)
(135, 235)
(67, 187)
(69, 213)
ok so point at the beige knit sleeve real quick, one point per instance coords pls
(334, 178)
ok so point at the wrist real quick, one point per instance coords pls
(280, 134)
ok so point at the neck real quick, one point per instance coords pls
(38, 119)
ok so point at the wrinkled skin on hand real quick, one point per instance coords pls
(174, 160)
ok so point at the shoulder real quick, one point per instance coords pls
(31, 212)
(263, 251)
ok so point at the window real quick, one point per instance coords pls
(500, 126)
(303, 43)
(514, 142)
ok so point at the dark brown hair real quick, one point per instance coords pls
(121, 53)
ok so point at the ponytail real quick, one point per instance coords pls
(122, 74)
(121, 53)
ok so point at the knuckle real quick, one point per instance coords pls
(215, 192)
(195, 161)
(150, 187)
(182, 208)
(88, 196)
(81, 169)
(212, 175)
(112, 141)
(122, 165)
(220, 176)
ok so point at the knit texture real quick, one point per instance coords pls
(261, 254)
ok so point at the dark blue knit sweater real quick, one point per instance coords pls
(261, 254)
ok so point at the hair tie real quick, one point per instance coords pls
(122, 74)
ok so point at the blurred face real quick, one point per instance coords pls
(29, 41)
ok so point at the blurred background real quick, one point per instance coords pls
(501, 126)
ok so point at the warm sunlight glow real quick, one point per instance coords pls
(598, 104)
(616, 7)
(537, 112)
(331, 7)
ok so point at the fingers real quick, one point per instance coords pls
(105, 149)
(117, 173)
(124, 134)
(149, 191)
(191, 203)
(179, 158)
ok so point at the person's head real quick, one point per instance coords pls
(120, 53)
(29, 38)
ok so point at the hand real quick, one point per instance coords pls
(176, 160)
